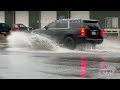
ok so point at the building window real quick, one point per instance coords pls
(63, 15)
(111, 22)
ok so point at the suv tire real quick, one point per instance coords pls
(69, 43)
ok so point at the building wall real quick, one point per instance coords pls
(47, 17)
(22, 17)
(100, 15)
(80, 14)
(34, 19)
(2, 16)
(9, 18)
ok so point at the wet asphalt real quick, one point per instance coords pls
(22, 63)
(32, 64)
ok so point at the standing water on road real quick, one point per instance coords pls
(18, 40)
(30, 61)
(110, 44)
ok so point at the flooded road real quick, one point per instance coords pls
(19, 62)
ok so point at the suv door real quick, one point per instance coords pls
(75, 26)
(60, 30)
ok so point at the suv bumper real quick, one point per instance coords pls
(89, 40)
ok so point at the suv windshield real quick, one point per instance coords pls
(92, 24)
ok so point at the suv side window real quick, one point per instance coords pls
(62, 24)
(52, 25)
(76, 24)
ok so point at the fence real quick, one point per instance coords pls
(112, 31)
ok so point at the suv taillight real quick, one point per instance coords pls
(83, 31)
(102, 32)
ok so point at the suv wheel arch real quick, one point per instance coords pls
(69, 43)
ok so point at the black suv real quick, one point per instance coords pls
(70, 32)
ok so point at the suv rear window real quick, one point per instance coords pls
(92, 24)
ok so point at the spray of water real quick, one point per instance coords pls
(110, 44)
(21, 41)
(40, 42)
(30, 41)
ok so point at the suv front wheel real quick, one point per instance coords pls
(69, 43)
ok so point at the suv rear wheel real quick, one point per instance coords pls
(69, 43)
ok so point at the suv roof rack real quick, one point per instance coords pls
(90, 20)
(71, 19)
(79, 19)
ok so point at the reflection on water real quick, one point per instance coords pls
(102, 64)
(99, 68)
(57, 65)
(83, 67)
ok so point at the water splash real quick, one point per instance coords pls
(110, 44)
(30, 41)
(21, 40)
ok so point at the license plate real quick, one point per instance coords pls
(93, 33)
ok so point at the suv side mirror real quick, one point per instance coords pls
(46, 27)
